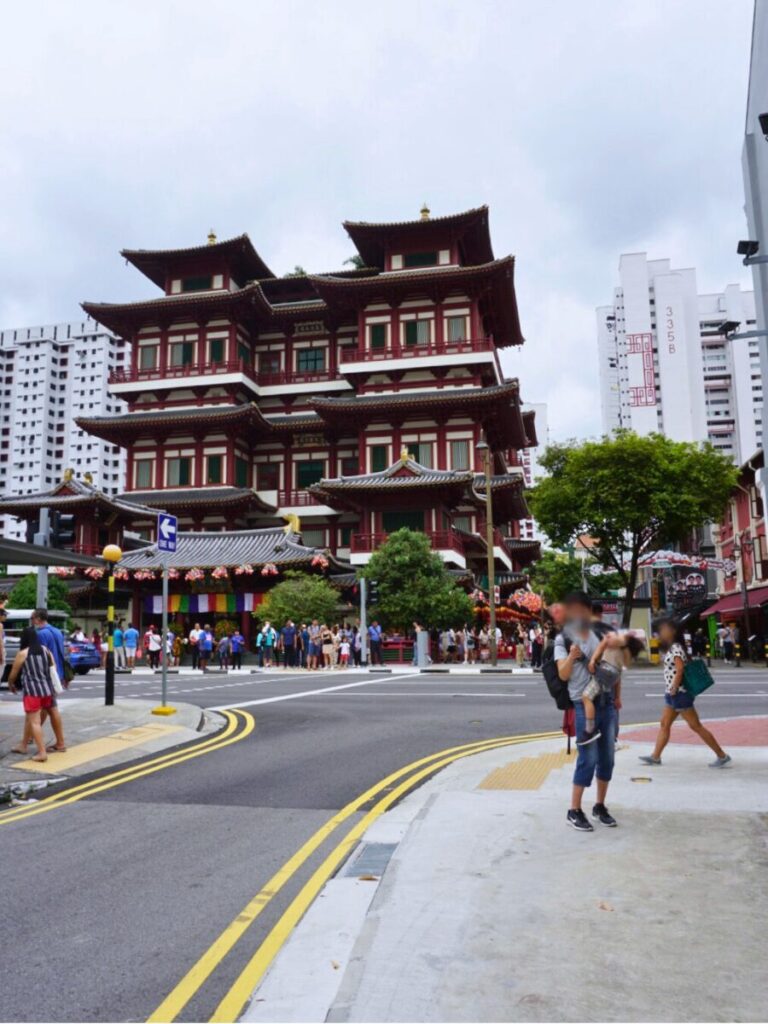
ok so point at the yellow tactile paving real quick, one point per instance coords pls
(526, 772)
(82, 753)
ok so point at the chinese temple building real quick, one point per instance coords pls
(354, 399)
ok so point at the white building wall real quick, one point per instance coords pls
(665, 364)
(754, 162)
(530, 460)
(49, 376)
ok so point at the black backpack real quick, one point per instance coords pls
(558, 688)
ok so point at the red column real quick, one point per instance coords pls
(442, 454)
(288, 484)
(163, 361)
(333, 360)
(199, 465)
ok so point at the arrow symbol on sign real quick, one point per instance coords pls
(167, 528)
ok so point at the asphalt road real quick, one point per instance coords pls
(110, 901)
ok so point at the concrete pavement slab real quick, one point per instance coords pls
(492, 909)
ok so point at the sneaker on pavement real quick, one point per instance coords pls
(578, 820)
(649, 759)
(720, 762)
(585, 738)
(600, 813)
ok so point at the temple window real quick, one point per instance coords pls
(243, 352)
(416, 332)
(459, 454)
(378, 455)
(463, 523)
(313, 537)
(267, 476)
(182, 353)
(148, 357)
(310, 360)
(214, 469)
(350, 466)
(241, 472)
(420, 259)
(421, 452)
(216, 349)
(178, 472)
(142, 473)
(377, 334)
(455, 328)
(309, 472)
(197, 283)
(412, 519)
(345, 536)
(269, 362)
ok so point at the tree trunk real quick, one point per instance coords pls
(629, 599)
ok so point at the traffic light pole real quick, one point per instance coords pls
(363, 621)
(491, 562)
(43, 537)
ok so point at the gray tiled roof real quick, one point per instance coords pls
(393, 477)
(230, 548)
(451, 395)
(70, 494)
(203, 496)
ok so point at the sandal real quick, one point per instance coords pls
(53, 749)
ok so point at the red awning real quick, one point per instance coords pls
(735, 602)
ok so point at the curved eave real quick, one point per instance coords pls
(119, 429)
(205, 499)
(529, 422)
(470, 228)
(95, 503)
(124, 318)
(238, 253)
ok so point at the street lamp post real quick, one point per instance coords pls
(484, 448)
(738, 551)
(111, 555)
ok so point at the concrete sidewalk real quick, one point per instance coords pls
(97, 737)
(485, 906)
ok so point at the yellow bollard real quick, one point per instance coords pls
(653, 650)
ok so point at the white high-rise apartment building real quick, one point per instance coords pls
(49, 376)
(666, 365)
(530, 460)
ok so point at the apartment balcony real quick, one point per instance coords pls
(452, 351)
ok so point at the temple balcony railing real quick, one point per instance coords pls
(443, 348)
(208, 369)
(288, 499)
(137, 375)
(441, 540)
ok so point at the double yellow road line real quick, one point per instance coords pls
(389, 789)
(239, 725)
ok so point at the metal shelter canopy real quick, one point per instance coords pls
(18, 552)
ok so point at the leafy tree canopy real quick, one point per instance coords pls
(24, 594)
(558, 573)
(301, 597)
(414, 586)
(629, 493)
(298, 271)
(357, 262)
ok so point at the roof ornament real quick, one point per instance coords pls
(88, 477)
(424, 211)
(404, 453)
(68, 474)
(293, 521)
(212, 237)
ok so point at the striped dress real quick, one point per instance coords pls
(35, 676)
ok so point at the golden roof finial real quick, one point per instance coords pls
(68, 474)
(212, 237)
(88, 477)
(404, 453)
(424, 211)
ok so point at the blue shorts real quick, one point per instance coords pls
(680, 701)
(596, 758)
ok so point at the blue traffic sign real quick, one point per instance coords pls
(166, 532)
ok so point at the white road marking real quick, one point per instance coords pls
(757, 693)
(297, 695)
(414, 694)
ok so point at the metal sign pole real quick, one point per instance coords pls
(164, 648)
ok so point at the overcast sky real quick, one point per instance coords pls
(589, 128)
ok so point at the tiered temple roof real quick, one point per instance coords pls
(470, 229)
(231, 548)
(238, 254)
(72, 495)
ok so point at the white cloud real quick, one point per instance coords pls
(590, 129)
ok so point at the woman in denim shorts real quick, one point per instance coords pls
(677, 701)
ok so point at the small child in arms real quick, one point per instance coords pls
(619, 648)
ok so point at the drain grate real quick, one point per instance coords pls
(370, 859)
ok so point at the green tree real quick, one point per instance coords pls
(356, 262)
(414, 586)
(555, 574)
(297, 271)
(629, 494)
(24, 594)
(301, 597)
